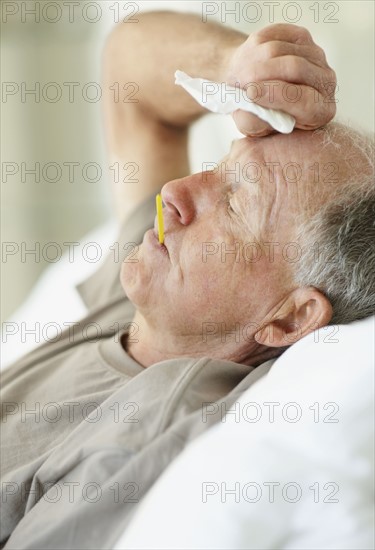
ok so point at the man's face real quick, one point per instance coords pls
(226, 258)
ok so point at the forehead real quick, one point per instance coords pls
(237, 167)
(246, 168)
(290, 147)
(285, 160)
(243, 147)
(271, 178)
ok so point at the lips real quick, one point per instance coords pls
(162, 246)
(156, 231)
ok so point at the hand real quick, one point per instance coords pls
(282, 68)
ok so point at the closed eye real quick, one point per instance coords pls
(230, 209)
(228, 197)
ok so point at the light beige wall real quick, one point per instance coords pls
(38, 131)
(71, 132)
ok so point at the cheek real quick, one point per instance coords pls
(139, 277)
(212, 281)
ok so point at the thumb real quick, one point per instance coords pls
(251, 125)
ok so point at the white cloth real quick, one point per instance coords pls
(315, 449)
(221, 98)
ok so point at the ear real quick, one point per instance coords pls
(305, 309)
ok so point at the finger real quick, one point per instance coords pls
(282, 31)
(310, 108)
(250, 125)
(288, 68)
(277, 48)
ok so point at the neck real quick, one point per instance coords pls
(153, 344)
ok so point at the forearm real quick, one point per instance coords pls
(149, 52)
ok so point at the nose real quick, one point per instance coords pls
(185, 197)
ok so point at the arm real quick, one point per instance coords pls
(153, 133)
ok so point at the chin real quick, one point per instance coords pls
(136, 281)
(129, 278)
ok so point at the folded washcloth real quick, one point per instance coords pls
(221, 98)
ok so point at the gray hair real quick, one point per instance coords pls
(338, 241)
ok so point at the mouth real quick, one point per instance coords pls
(155, 242)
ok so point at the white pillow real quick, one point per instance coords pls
(324, 460)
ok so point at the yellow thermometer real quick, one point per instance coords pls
(159, 215)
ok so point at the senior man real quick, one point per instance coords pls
(88, 424)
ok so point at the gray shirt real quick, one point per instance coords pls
(86, 430)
